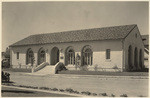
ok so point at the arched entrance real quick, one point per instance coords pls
(69, 56)
(140, 58)
(54, 56)
(41, 56)
(136, 58)
(29, 56)
(130, 58)
(87, 55)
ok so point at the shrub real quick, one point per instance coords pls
(86, 93)
(123, 95)
(76, 92)
(54, 89)
(112, 95)
(96, 67)
(61, 90)
(103, 94)
(94, 94)
(69, 90)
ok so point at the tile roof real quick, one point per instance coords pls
(105, 33)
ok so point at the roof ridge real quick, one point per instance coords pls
(82, 29)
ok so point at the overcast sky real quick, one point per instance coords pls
(20, 20)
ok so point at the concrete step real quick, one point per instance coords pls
(49, 69)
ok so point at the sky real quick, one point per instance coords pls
(22, 19)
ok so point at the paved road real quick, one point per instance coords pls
(132, 86)
(13, 92)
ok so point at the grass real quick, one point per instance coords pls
(104, 73)
(17, 70)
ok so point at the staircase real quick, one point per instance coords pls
(45, 68)
(48, 69)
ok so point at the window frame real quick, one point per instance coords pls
(108, 54)
(17, 55)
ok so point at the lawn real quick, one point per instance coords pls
(132, 86)
(17, 70)
(104, 73)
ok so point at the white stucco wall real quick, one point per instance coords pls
(134, 42)
(98, 48)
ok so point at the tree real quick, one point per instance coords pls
(7, 53)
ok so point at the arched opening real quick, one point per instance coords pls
(140, 58)
(136, 58)
(29, 56)
(54, 56)
(130, 66)
(69, 56)
(41, 56)
(87, 55)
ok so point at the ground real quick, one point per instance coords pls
(13, 92)
(117, 85)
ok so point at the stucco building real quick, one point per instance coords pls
(108, 49)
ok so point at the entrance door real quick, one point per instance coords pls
(54, 56)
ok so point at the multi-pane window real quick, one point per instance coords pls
(71, 57)
(107, 53)
(87, 54)
(30, 56)
(17, 55)
(42, 54)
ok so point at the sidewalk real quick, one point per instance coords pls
(85, 76)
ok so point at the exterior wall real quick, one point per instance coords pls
(98, 48)
(134, 42)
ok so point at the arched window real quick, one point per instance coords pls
(70, 56)
(87, 55)
(41, 56)
(140, 59)
(130, 57)
(136, 58)
(29, 56)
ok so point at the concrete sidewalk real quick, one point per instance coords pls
(85, 76)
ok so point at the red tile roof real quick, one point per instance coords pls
(105, 33)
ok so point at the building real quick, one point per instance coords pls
(103, 49)
(145, 39)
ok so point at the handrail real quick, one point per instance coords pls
(146, 50)
(42, 65)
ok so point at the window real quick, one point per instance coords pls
(107, 53)
(17, 55)
(87, 56)
(136, 35)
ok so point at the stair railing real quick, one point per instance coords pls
(39, 67)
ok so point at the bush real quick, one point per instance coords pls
(103, 94)
(94, 94)
(61, 90)
(54, 89)
(112, 95)
(86, 93)
(45, 88)
(124, 95)
(76, 92)
(69, 90)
